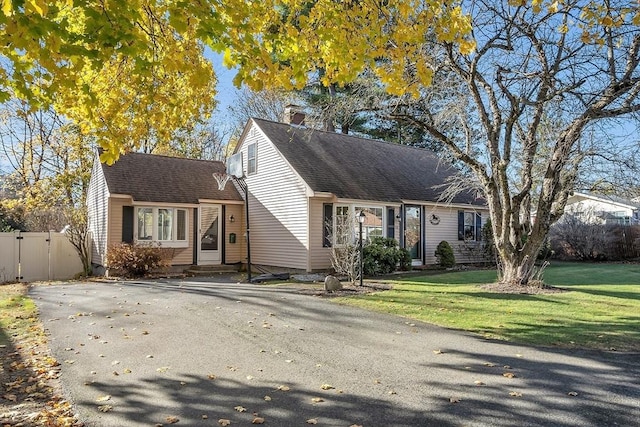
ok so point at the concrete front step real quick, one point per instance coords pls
(206, 270)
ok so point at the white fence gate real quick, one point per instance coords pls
(28, 257)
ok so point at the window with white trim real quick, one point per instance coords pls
(372, 225)
(346, 227)
(167, 226)
(469, 226)
(252, 156)
(342, 228)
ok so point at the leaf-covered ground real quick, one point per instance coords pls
(30, 391)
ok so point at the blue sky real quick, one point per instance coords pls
(227, 92)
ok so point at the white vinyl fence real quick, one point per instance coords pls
(28, 257)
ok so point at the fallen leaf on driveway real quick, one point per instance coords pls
(105, 408)
(283, 388)
(267, 398)
(240, 409)
(509, 375)
(327, 387)
(478, 382)
(317, 400)
(103, 398)
(224, 422)
(515, 394)
(573, 393)
(454, 400)
(163, 369)
(312, 421)
(258, 420)
(211, 376)
(437, 351)
(172, 419)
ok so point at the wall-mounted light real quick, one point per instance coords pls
(232, 219)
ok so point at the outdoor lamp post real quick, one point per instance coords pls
(361, 217)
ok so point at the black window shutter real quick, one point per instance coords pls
(327, 224)
(460, 225)
(478, 227)
(391, 218)
(127, 224)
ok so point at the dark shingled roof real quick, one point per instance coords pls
(364, 169)
(162, 179)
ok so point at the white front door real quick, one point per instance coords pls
(209, 233)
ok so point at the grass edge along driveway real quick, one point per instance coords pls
(599, 310)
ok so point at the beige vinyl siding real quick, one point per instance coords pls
(235, 252)
(447, 230)
(277, 208)
(97, 217)
(180, 256)
(115, 218)
(319, 257)
(184, 256)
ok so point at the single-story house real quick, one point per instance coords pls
(172, 202)
(599, 209)
(304, 185)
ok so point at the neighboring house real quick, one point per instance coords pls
(172, 202)
(596, 209)
(304, 184)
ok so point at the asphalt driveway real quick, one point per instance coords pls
(194, 352)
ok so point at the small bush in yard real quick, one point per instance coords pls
(136, 260)
(382, 256)
(444, 254)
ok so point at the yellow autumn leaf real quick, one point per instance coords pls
(7, 7)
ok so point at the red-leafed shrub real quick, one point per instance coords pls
(137, 260)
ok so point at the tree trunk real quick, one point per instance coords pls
(516, 262)
(516, 272)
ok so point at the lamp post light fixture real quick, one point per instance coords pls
(361, 218)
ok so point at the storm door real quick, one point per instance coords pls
(209, 234)
(413, 232)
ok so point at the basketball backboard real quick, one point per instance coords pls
(234, 166)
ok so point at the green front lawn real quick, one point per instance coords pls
(601, 308)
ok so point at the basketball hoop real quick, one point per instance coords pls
(221, 178)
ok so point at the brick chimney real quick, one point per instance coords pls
(293, 115)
